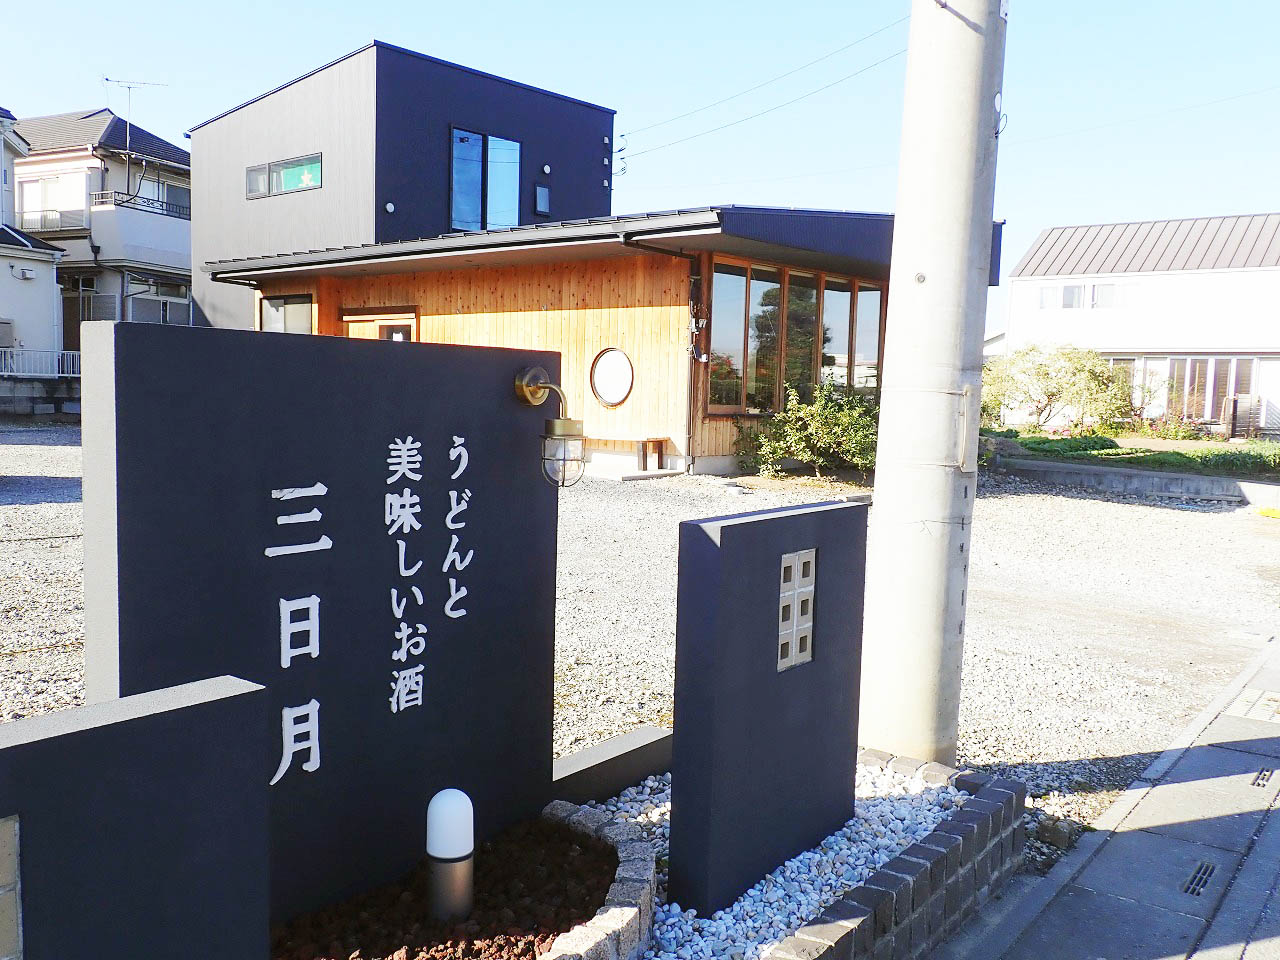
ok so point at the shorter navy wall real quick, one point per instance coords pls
(419, 100)
(142, 825)
(762, 761)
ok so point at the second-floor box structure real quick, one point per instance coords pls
(117, 199)
(385, 145)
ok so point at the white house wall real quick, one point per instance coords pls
(1215, 311)
(35, 305)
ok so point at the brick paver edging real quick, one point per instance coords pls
(921, 896)
(621, 929)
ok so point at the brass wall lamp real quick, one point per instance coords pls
(564, 457)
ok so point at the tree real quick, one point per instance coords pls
(1079, 384)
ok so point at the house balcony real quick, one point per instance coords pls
(114, 198)
(52, 221)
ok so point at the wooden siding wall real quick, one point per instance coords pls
(637, 303)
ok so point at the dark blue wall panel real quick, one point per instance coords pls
(762, 761)
(142, 825)
(207, 424)
(420, 99)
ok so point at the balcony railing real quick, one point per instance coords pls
(39, 363)
(47, 221)
(114, 198)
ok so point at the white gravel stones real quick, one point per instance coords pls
(41, 559)
(892, 811)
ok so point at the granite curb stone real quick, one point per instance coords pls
(621, 929)
(921, 896)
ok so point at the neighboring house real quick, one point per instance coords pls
(1190, 307)
(674, 328)
(118, 200)
(30, 304)
(384, 145)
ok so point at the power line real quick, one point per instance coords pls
(781, 76)
(1124, 121)
(734, 123)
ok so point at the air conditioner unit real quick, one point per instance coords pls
(25, 273)
(6, 334)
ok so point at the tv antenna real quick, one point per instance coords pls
(128, 119)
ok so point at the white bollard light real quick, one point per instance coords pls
(450, 848)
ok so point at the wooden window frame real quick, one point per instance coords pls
(739, 410)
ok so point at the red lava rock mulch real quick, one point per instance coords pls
(532, 882)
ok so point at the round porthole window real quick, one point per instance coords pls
(612, 377)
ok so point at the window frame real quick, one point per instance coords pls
(484, 136)
(319, 155)
(286, 296)
(710, 409)
(537, 189)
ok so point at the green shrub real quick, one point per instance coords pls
(1008, 434)
(834, 430)
(1251, 459)
(1083, 443)
(1172, 426)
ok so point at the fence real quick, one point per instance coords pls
(39, 363)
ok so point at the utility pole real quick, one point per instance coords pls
(926, 456)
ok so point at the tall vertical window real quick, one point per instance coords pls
(484, 182)
(837, 306)
(1177, 384)
(286, 314)
(728, 333)
(1244, 375)
(1197, 387)
(866, 338)
(775, 330)
(802, 327)
(1073, 296)
(764, 331)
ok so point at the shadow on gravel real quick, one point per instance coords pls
(53, 436)
(35, 490)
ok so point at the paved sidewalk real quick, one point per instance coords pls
(1186, 864)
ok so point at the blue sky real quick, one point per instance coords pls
(1111, 106)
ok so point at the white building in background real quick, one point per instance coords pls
(118, 200)
(30, 299)
(1192, 307)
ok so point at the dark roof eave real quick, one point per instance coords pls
(479, 243)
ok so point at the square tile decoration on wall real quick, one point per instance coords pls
(795, 608)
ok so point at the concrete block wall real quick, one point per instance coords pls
(922, 896)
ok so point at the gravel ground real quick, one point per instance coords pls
(1097, 626)
(893, 812)
(41, 561)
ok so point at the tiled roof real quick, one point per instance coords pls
(1155, 246)
(97, 128)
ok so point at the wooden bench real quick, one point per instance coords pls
(644, 447)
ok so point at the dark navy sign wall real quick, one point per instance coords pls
(766, 693)
(360, 526)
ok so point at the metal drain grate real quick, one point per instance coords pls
(1262, 777)
(1199, 879)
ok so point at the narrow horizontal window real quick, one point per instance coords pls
(255, 182)
(301, 173)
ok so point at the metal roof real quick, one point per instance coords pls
(13, 237)
(413, 53)
(854, 243)
(97, 128)
(1155, 246)
(6, 115)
